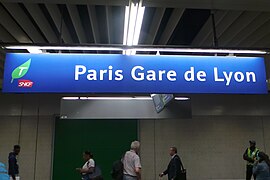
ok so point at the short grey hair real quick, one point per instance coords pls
(135, 145)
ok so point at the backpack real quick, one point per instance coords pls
(117, 170)
(3, 172)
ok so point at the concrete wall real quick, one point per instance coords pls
(210, 147)
(28, 120)
(211, 144)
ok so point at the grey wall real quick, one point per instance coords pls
(28, 120)
(211, 143)
(211, 147)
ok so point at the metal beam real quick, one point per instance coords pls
(154, 26)
(263, 42)
(249, 29)
(5, 36)
(94, 23)
(77, 2)
(221, 27)
(56, 16)
(256, 35)
(207, 29)
(241, 23)
(173, 21)
(75, 17)
(19, 15)
(242, 5)
(42, 22)
(248, 5)
(12, 27)
(108, 15)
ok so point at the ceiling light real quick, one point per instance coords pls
(107, 98)
(38, 49)
(181, 98)
(70, 98)
(133, 22)
(34, 50)
(82, 48)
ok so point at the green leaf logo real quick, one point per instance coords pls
(21, 70)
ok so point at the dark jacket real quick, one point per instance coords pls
(13, 167)
(174, 168)
(261, 170)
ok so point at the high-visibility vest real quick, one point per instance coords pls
(252, 155)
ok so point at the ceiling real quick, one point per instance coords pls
(239, 23)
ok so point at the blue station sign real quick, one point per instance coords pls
(99, 73)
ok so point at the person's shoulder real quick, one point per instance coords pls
(11, 155)
(91, 160)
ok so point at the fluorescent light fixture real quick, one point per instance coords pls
(181, 98)
(198, 50)
(107, 98)
(82, 48)
(70, 98)
(133, 22)
(34, 50)
(180, 50)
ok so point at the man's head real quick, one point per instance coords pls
(16, 149)
(252, 144)
(173, 151)
(135, 145)
(87, 155)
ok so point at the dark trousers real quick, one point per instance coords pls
(249, 172)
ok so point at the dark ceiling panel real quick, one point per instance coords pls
(163, 24)
(83, 12)
(117, 24)
(50, 20)
(147, 19)
(102, 25)
(67, 19)
(189, 25)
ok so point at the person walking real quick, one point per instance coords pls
(88, 167)
(250, 155)
(261, 167)
(132, 163)
(13, 167)
(174, 168)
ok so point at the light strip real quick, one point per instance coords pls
(181, 98)
(181, 50)
(107, 98)
(133, 22)
(70, 98)
(195, 50)
(34, 50)
(82, 48)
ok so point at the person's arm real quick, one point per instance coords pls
(138, 172)
(164, 172)
(11, 163)
(138, 167)
(86, 170)
(245, 157)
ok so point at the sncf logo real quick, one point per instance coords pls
(25, 83)
(20, 72)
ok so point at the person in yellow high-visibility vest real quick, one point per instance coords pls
(250, 156)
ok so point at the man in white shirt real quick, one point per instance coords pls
(88, 167)
(132, 163)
